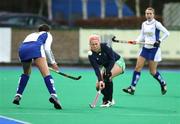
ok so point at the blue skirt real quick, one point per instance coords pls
(29, 51)
(153, 54)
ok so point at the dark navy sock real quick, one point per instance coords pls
(159, 78)
(105, 94)
(50, 84)
(22, 83)
(136, 76)
(110, 91)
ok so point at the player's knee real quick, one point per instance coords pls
(152, 72)
(138, 68)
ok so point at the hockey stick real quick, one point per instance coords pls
(129, 42)
(93, 104)
(65, 75)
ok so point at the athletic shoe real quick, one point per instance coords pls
(163, 89)
(55, 101)
(129, 90)
(112, 102)
(106, 104)
(16, 100)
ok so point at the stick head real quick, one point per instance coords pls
(92, 106)
(114, 39)
(79, 77)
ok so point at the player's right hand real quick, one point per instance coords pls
(132, 42)
(55, 67)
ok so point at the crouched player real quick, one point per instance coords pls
(112, 65)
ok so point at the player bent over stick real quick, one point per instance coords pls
(36, 46)
(150, 33)
(112, 65)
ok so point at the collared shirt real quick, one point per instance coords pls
(106, 58)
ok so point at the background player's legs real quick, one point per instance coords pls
(157, 76)
(155, 73)
(136, 75)
(137, 70)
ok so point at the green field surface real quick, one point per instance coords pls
(147, 106)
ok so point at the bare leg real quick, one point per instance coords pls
(136, 75)
(41, 63)
(116, 70)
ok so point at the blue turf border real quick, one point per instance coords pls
(7, 120)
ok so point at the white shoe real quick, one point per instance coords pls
(106, 104)
(112, 102)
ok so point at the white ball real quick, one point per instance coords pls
(90, 53)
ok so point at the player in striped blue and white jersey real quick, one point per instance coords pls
(36, 47)
(150, 33)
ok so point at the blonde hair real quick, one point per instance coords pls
(94, 37)
(150, 8)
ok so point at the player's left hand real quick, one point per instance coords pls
(132, 42)
(157, 44)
